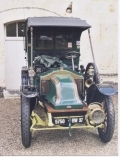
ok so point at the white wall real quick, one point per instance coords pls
(101, 14)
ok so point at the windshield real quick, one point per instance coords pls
(54, 38)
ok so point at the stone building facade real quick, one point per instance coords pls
(102, 15)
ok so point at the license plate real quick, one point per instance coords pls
(74, 120)
(60, 121)
(77, 120)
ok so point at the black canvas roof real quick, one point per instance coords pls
(57, 21)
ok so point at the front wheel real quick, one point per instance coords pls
(107, 131)
(25, 122)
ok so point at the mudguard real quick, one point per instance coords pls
(29, 92)
(30, 95)
(96, 92)
(106, 89)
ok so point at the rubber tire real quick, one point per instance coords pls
(32, 104)
(107, 136)
(96, 78)
(25, 122)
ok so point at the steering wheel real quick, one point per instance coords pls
(72, 55)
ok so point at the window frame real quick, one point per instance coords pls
(67, 48)
(16, 38)
(54, 41)
(37, 48)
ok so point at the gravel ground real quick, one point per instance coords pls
(56, 142)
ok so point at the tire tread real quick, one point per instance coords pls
(25, 122)
(107, 136)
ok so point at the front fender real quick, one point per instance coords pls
(106, 89)
(96, 92)
(29, 92)
(31, 95)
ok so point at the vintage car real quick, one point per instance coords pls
(69, 95)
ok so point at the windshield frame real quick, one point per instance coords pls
(55, 32)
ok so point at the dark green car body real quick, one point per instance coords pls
(70, 95)
(55, 41)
